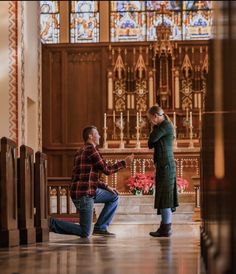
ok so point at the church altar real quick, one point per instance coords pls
(187, 165)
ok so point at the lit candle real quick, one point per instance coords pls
(105, 120)
(137, 123)
(127, 116)
(200, 115)
(121, 120)
(174, 118)
(140, 116)
(191, 119)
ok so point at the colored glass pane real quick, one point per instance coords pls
(197, 24)
(128, 26)
(84, 22)
(84, 27)
(173, 20)
(197, 5)
(49, 21)
(122, 6)
(170, 5)
(49, 6)
(84, 6)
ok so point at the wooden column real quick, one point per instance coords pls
(9, 233)
(40, 196)
(26, 195)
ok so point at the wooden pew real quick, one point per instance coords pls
(40, 196)
(9, 233)
(26, 195)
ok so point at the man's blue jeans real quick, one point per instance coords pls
(85, 208)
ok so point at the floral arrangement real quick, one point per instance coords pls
(141, 184)
(182, 184)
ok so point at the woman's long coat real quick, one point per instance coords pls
(161, 139)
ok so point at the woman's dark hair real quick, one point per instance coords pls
(86, 131)
(156, 110)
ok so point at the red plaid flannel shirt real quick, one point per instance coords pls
(88, 165)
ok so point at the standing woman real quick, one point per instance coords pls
(161, 139)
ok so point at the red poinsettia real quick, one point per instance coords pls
(142, 183)
(182, 184)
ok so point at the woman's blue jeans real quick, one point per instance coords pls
(166, 215)
(85, 207)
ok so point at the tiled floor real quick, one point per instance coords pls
(131, 251)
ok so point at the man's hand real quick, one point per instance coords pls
(112, 190)
(129, 159)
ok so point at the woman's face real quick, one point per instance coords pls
(154, 119)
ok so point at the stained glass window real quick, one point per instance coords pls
(84, 21)
(137, 20)
(128, 21)
(49, 21)
(197, 20)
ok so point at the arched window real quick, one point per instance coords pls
(50, 21)
(84, 21)
(137, 20)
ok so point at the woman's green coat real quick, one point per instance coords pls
(161, 139)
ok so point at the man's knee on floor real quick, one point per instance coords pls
(85, 234)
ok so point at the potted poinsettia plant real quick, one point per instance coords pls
(182, 184)
(141, 184)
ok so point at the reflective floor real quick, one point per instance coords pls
(131, 251)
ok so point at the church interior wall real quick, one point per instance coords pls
(20, 72)
(4, 70)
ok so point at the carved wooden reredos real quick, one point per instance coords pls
(171, 74)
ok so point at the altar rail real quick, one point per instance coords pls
(60, 204)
